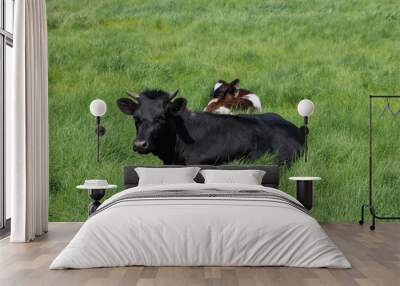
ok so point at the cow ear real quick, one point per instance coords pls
(236, 83)
(177, 106)
(127, 106)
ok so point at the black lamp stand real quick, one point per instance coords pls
(96, 195)
(100, 131)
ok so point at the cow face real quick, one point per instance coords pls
(222, 89)
(151, 111)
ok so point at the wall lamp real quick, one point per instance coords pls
(98, 108)
(305, 109)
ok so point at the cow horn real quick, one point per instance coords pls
(133, 94)
(173, 94)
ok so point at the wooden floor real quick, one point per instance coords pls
(375, 257)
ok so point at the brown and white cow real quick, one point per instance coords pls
(227, 97)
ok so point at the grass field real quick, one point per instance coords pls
(335, 53)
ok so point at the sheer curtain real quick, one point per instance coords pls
(27, 124)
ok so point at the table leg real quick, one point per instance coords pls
(305, 193)
(96, 195)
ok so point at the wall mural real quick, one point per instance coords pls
(241, 68)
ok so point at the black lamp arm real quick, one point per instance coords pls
(305, 137)
(100, 131)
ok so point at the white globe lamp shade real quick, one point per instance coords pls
(98, 107)
(305, 107)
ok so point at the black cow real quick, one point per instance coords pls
(177, 135)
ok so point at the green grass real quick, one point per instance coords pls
(335, 53)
